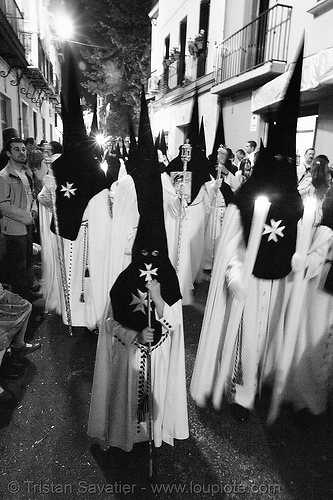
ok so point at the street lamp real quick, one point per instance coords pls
(63, 25)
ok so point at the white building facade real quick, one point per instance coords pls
(238, 55)
(30, 70)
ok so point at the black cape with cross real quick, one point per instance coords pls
(274, 175)
(150, 251)
(77, 171)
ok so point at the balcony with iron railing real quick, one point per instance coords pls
(11, 25)
(255, 53)
(39, 73)
(13, 14)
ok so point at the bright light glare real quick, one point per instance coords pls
(310, 203)
(104, 166)
(100, 139)
(64, 26)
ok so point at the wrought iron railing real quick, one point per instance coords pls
(263, 40)
(13, 14)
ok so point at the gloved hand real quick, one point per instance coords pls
(297, 262)
(217, 184)
(234, 277)
(49, 182)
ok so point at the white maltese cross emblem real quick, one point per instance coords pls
(274, 230)
(68, 189)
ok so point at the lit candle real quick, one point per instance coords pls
(305, 227)
(104, 166)
(261, 207)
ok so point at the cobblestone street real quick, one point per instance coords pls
(46, 453)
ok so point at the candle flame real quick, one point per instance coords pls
(262, 200)
(104, 166)
(310, 203)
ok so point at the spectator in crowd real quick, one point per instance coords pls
(42, 144)
(230, 177)
(250, 150)
(14, 316)
(240, 154)
(231, 161)
(321, 176)
(7, 134)
(3, 248)
(30, 144)
(244, 172)
(305, 166)
(16, 206)
(56, 149)
(304, 173)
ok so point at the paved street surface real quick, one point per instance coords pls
(46, 453)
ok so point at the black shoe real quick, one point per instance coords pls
(12, 372)
(111, 458)
(10, 360)
(18, 361)
(26, 349)
(6, 397)
(304, 419)
(239, 413)
(35, 288)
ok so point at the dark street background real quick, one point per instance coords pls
(45, 451)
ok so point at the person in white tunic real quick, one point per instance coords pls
(220, 198)
(121, 381)
(308, 384)
(195, 215)
(86, 261)
(118, 410)
(238, 352)
(76, 245)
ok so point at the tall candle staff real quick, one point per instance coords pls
(186, 150)
(260, 212)
(221, 157)
(150, 396)
(60, 251)
(148, 278)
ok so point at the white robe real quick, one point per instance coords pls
(114, 400)
(213, 230)
(193, 241)
(169, 359)
(125, 221)
(264, 311)
(172, 205)
(307, 385)
(88, 295)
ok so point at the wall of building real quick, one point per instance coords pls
(324, 142)
(238, 126)
(36, 21)
(226, 17)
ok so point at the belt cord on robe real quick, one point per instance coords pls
(150, 396)
(186, 156)
(62, 262)
(214, 203)
(85, 259)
